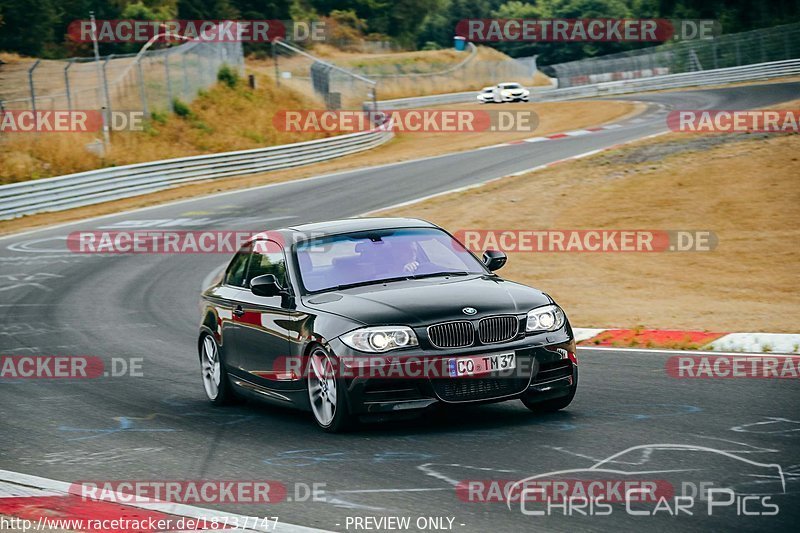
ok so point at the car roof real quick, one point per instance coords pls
(348, 225)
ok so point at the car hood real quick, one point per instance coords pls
(427, 301)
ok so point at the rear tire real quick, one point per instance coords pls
(216, 383)
(327, 392)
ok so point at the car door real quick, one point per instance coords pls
(262, 337)
(226, 299)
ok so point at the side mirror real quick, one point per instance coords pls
(494, 259)
(266, 285)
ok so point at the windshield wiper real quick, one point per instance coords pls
(440, 274)
(365, 283)
(390, 280)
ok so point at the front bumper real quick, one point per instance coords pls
(515, 98)
(398, 382)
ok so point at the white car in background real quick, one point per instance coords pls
(504, 92)
(486, 95)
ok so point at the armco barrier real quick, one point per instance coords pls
(775, 69)
(425, 101)
(759, 71)
(96, 186)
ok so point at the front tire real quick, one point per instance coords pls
(327, 392)
(219, 390)
(550, 406)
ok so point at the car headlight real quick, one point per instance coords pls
(380, 339)
(505, 93)
(545, 318)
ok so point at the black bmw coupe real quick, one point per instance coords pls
(379, 317)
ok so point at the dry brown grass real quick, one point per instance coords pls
(555, 117)
(746, 192)
(487, 68)
(222, 119)
(11, 57)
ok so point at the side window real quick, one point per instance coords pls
(235, 275)
(267, 260)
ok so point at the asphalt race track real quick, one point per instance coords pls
(161, 427)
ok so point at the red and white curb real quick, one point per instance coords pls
(46, 503)
(779, 343)
(573, 133)
(556, 136)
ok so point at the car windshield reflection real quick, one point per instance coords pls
(356, 259)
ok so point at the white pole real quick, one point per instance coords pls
(106, 139)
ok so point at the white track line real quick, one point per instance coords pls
(512, 175)
(679, 352)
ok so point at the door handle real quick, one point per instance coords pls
(238, 311)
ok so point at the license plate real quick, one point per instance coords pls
(481, 364)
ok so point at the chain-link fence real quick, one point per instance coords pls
(330, 85)
(149, 81)
(474, 71)
(335, 86)
(736, 49)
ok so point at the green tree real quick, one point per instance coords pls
(28, 26)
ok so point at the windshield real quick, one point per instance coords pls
(363, 258)
(510, 86)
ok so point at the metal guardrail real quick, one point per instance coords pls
(774, 69)
(425, 101)
(759, 71)
(103, 185)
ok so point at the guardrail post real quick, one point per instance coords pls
(66, 84)
(99, 71)
(169, 82)
(275, 59)
(31, 85)
(185, 76)
(142, 90)
(106, 92)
